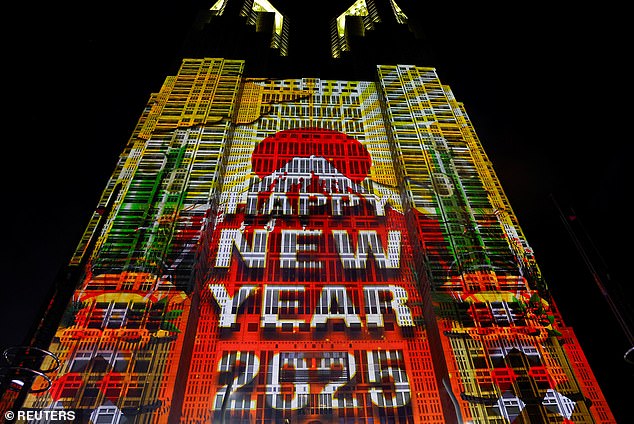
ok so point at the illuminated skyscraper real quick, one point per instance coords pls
(287, 238)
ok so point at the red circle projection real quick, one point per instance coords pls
(344, 152)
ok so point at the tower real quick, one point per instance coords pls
(274, 246)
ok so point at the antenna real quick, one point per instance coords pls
(629, 354)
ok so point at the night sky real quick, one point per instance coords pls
(546, 89)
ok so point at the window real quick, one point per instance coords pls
(115, 315)
(80, 361)
(105, 415)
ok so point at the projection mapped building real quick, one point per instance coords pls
(309, 250)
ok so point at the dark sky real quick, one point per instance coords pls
(546, 88)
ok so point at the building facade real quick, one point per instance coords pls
(304, 250)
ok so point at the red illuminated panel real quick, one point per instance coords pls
(311, 311)
(343, 152)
